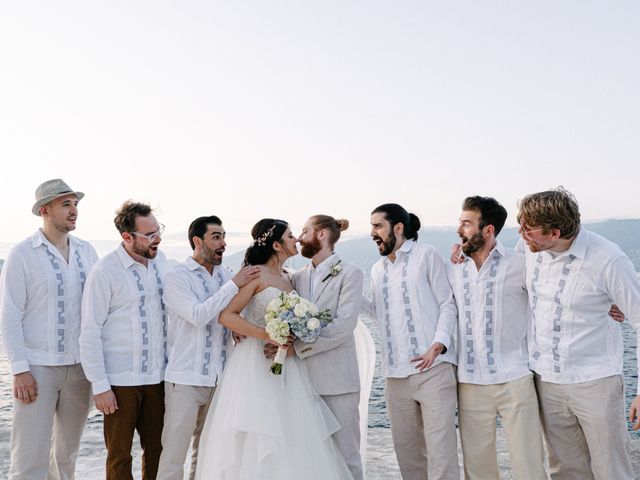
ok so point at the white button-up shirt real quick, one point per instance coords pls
(493, 318)
(413, 306)
(123, 336)
(198, 344)
(319, 273)
(574, 339)
(40, 296)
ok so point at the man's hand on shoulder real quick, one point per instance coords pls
(106, 402)
(25, 388)
(245, 275)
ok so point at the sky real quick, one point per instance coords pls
(285, 109)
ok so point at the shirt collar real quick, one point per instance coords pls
(499, 248)
(579, 246)
(406, 247)
(39, 238)
(193, 265)
(328, 262)
(125, 258)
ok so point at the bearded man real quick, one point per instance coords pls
(573, 275)
(123, 340)
(196, 291)
(413, 305)
(493, 362)
(333, 284)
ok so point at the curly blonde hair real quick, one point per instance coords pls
(551, 209)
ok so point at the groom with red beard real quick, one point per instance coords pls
(333, 284)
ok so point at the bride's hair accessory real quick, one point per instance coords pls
(261, 241)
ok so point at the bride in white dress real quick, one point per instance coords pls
(261, 425)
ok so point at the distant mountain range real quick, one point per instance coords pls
(363, 253)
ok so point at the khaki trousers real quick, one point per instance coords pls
(347, 439)
(141, 409)
(517, 404)
(186, 409)
(46, 433)
(422, 409)
(585, 428)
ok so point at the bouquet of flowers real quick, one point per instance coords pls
(290, 314)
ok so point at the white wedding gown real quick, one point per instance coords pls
(266, 426)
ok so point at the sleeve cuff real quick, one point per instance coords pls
(20, 366)
(441, 338)
(231, 285)
(100, 387)
(302, 349)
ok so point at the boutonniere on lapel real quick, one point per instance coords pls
(333, 271)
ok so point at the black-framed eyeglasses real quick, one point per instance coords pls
(150, 236)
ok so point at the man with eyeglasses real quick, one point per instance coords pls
(123, 341)
(573, 276)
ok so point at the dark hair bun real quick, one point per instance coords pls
(415, 222)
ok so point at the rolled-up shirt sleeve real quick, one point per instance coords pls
(180, 297)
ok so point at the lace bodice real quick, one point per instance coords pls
(257, 306)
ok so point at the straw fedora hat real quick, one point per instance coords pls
(50, 190)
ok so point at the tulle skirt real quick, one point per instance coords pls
(265, 426)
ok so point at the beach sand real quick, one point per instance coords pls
(381, 461)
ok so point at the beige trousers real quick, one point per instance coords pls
(186, 409)
(46, 433)
(422, 409)
(585, 428)
(517, 405)
(347, 439)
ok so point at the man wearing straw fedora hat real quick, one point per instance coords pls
(40, 296)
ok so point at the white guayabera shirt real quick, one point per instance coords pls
(40, 296)
(570, 293)
(493, 318)
(123, 336)
(198, 344)
(413, 306)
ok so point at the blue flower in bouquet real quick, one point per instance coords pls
(289, 313)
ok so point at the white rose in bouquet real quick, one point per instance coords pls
(313, 324)
(275, 304)
(312, 308)
(300, 310)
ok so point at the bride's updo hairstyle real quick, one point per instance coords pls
(333, 226)
(264, 233)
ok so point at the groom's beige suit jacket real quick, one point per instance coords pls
(331, 359)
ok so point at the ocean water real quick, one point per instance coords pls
(92, 445)
(92, 440)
